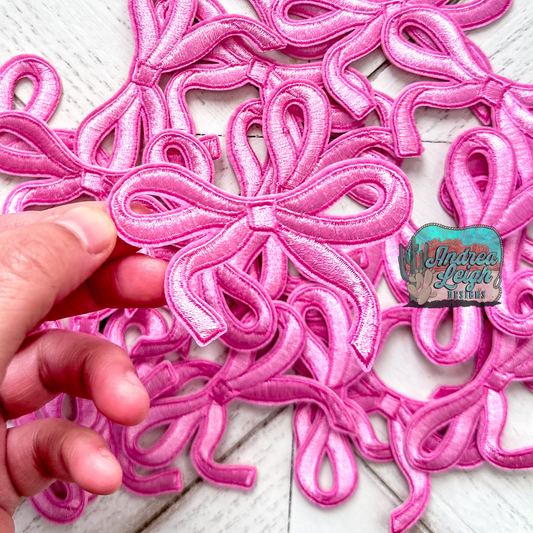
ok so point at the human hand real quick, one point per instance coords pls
(57, 263)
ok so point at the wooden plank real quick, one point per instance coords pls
(264, 509)
(126, 512)
(89, 43)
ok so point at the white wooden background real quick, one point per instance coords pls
(91, 46)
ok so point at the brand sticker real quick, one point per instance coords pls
(452, 267)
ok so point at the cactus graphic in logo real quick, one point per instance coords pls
(452, 267)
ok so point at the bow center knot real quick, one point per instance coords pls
(91, 182)
(145, 75)
(389, 405)
(262, 217)
(223, 393)
(258, 71)
(392, 6)
(493, 90)
(497, 381)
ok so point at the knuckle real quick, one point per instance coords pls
(35, 258)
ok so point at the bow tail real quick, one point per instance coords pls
(408, 513)
(459, 414)
(154, 111)
(223, 78)
(322, 263)
(346, 85)
(204, 324)
(439, 95)
(364, 437)
(317, 440)
(490, 433)
(176, 338)
(183, 413)
(250, 325)
(171, 444)
(46, 192)
(165, 482)
(204, 447)
(274, 269)
(289, 389)
(280, 357)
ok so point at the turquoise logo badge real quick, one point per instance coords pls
(452, 267)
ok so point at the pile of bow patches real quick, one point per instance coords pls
(308, 339)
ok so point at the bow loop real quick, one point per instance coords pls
(46, 85)
(193, 153)
(251, 320)
(450, 59)
(292, 161)
(176, 51)
(476, 13)
(299, 210)
(280, 357)
(243, 159)
(201, 206)
(145, 26)
(471, 204)
(315, 439)
(326, 24)
(335, 365)
(459, 414)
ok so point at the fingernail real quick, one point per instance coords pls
(106, 454)
(106, 462)
(133, 380)
(93, 227)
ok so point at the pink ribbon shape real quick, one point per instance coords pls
(162, 45)
(242, 376)
(64, 503)
(46, 85)
(478, 405)
(49, 158)
(469, 80)
(374, 396)
(335, 367)
(294, 218)
(232, 64)
(157, 338)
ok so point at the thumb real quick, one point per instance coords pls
(42, 263)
